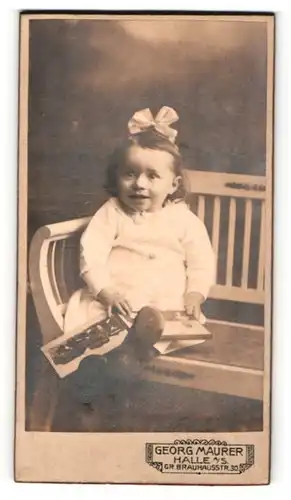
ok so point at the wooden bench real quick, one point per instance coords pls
(233, 208)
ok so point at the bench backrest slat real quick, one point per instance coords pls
(236, 226)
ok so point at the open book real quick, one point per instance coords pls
(67, 351)
(181, 331)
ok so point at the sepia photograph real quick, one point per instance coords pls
(145, 247)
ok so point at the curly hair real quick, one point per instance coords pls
(147, 140)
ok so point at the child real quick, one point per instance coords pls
(143, 247)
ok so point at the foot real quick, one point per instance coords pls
(148, 326)
(146, 330)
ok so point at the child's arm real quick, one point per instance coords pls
(200, 265)
(96, 245)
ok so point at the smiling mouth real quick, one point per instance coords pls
(139, 197)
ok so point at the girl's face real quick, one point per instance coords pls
(146, 179)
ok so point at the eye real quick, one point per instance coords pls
(153, 175)
(129, 174)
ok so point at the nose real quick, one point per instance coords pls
(141, 182)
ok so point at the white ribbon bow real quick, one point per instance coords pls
(143, 120)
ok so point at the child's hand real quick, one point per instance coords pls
(114, 300)
(192, 302)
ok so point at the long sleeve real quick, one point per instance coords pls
(96, 245)
(200, 258)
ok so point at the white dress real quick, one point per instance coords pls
(152, 258)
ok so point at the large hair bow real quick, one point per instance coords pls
(143, 120)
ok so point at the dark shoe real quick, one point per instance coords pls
(147, 327)
(138, 346)
(89, 380)
(146, 330)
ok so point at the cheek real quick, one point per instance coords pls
(169, 184)
(123, 183)
(161, 187)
